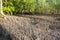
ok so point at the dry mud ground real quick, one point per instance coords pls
(30, 28)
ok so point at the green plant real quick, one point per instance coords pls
(41, 6)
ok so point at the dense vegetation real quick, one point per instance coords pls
(33, 6)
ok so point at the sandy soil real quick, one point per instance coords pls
(30, 28)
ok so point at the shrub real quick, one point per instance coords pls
(40, 6)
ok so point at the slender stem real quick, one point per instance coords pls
(1, 7)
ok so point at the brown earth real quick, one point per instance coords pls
(30, 28)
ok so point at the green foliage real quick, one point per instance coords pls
(41, 6)
(8, 7)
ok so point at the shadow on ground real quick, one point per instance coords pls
(5, 35)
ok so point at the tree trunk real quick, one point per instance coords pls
(1, 11)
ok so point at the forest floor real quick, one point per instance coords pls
(30, 27)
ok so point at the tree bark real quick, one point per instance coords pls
(1, 11)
